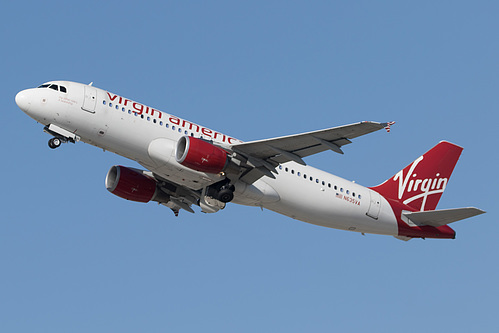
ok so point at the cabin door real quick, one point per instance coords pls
(90, 99)
(374, 205)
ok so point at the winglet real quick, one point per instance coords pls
(388, 125)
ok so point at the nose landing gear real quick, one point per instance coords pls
(60, 135)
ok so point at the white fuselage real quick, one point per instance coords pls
(148, 136)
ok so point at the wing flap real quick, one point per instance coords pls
(438, 218)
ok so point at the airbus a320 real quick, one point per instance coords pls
(186, 165)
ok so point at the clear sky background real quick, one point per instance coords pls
(75, 258)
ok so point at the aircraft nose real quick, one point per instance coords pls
(23, 101)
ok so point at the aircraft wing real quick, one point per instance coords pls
(265, 155)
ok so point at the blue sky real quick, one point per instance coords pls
(74, 258)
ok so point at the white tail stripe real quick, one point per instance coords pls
(403, 181)
(422, 195)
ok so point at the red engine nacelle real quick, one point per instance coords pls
(200, 155)
(130, 184)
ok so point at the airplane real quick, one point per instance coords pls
(188, 165)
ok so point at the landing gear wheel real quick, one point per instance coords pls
(226, 194)
(54, 143)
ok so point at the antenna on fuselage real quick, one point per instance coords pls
(91, 83)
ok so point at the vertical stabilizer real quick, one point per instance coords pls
(421, 184)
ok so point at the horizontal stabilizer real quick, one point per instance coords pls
(438, 218)
(403, 238)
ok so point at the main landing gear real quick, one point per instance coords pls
(222, 191)
(226, 193)
(214, 197)
(55, 142)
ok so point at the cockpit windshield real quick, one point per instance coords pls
(54, 87)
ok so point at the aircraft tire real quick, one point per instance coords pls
(225, 195)
(54, 143)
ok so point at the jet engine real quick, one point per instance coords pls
(132, 184)
(201, 155)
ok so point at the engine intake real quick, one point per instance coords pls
(130, 184)
(200, 155)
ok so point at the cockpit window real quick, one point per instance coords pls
(54, 87)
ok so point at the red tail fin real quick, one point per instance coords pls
(421, 184)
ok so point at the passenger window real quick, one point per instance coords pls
(104, 102)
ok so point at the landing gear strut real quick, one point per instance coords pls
(60, 135)
(54, 143)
